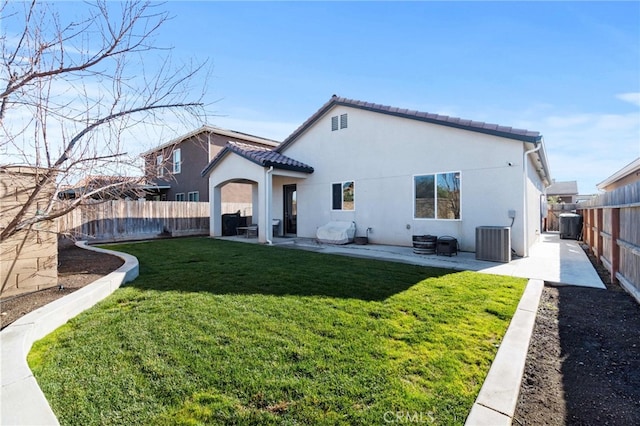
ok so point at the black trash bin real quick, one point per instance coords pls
(570, 226)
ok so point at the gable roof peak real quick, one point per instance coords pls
(444, 120)
(262, 156)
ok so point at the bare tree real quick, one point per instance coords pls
(72, 93)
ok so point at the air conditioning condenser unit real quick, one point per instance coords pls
(493, 243)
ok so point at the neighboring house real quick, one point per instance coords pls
(174, 167)
(561, 197)
(398, 172)
(563, 192)
(626, 175)
(106, 188)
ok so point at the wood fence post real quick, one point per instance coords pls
(586, 228)
(598, 238)
(615, 248)
(590, 230)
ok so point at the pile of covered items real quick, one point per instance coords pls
(336, 232)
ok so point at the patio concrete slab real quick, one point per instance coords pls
(550, 259)
(555, 261)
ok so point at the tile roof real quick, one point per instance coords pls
(261, 156)
(563, 188)
(444, 120)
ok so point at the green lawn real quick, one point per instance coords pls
(216, 332)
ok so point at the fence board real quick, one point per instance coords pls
(129, 220)
(553, 214)
(626, 200)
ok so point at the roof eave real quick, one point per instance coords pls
(632, 167)
(293, 168)
(523, 138)
(545, 176)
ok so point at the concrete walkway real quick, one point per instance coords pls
(552, 260)
(21, 399)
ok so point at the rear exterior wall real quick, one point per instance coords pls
(381, 154)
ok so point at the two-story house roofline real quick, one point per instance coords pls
(172, 169)
(219, 131)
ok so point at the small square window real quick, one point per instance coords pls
(194, 196)
(180, 196)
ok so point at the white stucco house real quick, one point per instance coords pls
(398, 172)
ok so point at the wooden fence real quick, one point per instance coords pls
(612, 231)
(135, 220)
(553, 215)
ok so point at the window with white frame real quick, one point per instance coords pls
(180, 196)
(177, 162)
(194, 196)
(343, 195)
(159, 166)
(437, 196)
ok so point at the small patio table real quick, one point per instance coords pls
(251, 230)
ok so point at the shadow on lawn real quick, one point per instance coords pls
(222, 267)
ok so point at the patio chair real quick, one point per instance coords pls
(249, 230)
(252, 230)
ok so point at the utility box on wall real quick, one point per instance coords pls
(28, 259)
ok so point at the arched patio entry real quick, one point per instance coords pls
(237, 163)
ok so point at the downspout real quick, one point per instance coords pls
(267, 207)
(525, 214)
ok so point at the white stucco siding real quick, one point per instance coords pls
(233, 167)
(382, 154)
(535, 190)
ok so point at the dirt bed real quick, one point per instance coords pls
(76, 268)
(583, 364)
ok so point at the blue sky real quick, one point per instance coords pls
(570, 70)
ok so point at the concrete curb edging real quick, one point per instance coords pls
(496, 402)
(21, 399)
